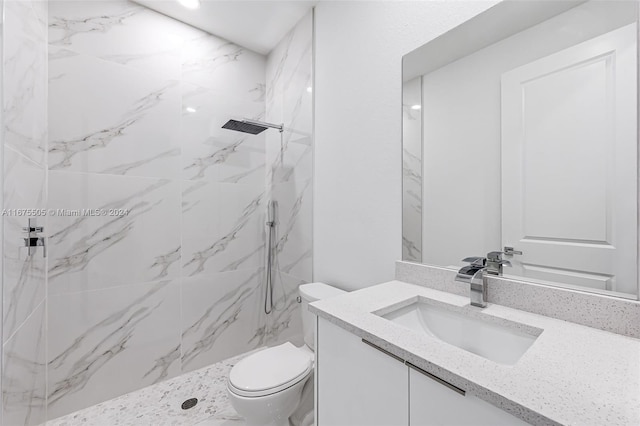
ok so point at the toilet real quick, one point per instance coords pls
(265, 387)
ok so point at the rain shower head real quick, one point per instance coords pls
(241, 126)
(250, 126)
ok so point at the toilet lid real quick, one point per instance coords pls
(270, 370)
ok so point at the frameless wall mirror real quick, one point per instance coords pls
(520, 135)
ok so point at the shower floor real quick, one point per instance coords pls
(159, 404)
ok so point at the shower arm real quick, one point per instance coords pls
(280, 127)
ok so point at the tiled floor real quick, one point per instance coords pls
(160, 404)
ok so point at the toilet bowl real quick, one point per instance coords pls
(265, 387)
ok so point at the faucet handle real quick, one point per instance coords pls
(495, 263)
(475, 260)
(496, 257)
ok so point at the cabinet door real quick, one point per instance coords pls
(433, 403)
(357, 384)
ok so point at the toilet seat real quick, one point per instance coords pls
(270, 371)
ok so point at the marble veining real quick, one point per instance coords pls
(24, 80)
(289, 165)
(200, 165)
(114, 341)
(275, 68)
(220, 56)
(207, 60)
(412, 171)
(162, 365)
(293, 232)
(23, 296)
(218, 154)
(160, 404)
(196, 263)
(132, 58)
(65, 150)
(205, 331)
(290, 221)
(117, 335)
(416, 201)
(410, 249)
(23, 381)
(165, 261)
(86, 246)
(84, 251)
(304, 256)
(235, 265)
(237, 178)
(121, 32)
(23, 275)
(284, 323)
(291, 162)
(125, 168)
(70, 28)
(259, 92)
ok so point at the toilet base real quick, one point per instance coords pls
(268, 410)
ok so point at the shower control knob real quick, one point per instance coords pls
(299, 299)
(33, 240)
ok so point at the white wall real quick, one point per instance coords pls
(357, 194)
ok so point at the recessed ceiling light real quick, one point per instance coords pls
(416, 106)
(190, 109)
(309, 89)
(190, 4)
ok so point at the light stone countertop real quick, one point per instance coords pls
(571, 375)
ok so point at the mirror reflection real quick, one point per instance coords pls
(522, 138)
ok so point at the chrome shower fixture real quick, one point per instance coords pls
(272, 209)
(251, 126)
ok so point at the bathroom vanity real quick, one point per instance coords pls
(519, 140)
(376, 366)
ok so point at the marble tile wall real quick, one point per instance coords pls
(112, 120)
(24, 138)
(167, 277)
(289, 100)
(412, 170)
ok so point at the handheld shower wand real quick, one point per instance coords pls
(272, 208)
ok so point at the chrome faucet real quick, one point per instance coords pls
(476, 273)
(495, 263)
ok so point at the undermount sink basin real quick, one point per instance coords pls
(497, 342)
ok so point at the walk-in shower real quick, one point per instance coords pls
(255, 127)
(123, 140)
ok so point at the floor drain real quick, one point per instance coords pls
(189, 403)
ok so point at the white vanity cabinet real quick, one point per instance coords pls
(360, 385)
(433, 403)
(357, 384)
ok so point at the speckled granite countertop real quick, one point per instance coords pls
(571, 375)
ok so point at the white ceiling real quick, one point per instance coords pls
(255, 24)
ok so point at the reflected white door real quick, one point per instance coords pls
(569, 165)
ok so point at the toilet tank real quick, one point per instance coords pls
(310, 293)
